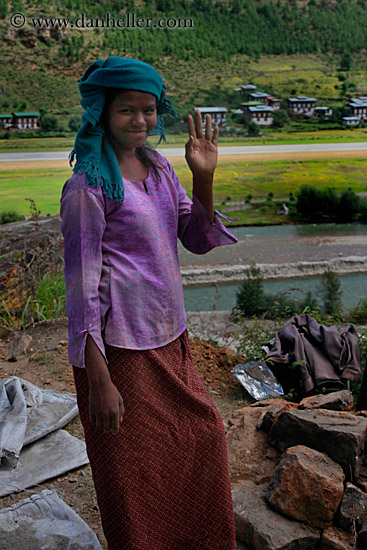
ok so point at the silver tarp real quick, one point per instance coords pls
(44, 521)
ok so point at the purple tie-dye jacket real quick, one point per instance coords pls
(121, 264)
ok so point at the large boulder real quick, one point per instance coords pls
(353, 506)
(341, 435)
(337, 401)
(306, 486)
(261, 528)
(250, 455)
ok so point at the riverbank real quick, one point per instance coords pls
(237, 273)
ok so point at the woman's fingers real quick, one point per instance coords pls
(215, 135)
(208, 127)
(198, 124)
(191, 126)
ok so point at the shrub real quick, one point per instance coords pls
(8, 216)
(253, 128)
(250, 296)
(330, 292)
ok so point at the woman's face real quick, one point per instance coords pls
(131, 117)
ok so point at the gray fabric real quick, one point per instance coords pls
(33, 448)
(327, 356)
(51, 456)
(28, 413)
(44, 521)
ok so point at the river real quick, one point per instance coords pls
(279, 245)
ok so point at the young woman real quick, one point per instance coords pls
(155, 440)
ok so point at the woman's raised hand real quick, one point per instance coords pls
(202, 151)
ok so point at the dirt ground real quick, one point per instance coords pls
(42, 359)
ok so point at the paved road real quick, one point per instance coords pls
(177, 152)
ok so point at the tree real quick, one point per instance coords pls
(253, 128)
(250, 296)
(280, 118)
(74, 123)
(48, 122)
(346, 61)
(329, 289)
(349, 205)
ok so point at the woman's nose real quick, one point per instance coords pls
(138, 119)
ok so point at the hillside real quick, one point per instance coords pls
(308, 47)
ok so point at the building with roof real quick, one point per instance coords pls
(5, 121)
(358, 108)
(261, 114)
(21, 121)
(246, 90)
(260, 96)
(26, 120)
(274, 102)
(323, 112)
(351, 120)
(218, 114)
(301, 105)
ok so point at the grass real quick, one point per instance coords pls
(232, 179)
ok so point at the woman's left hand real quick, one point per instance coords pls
(202, 152)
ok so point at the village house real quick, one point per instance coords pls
(351, 120)
(218, 114)
(358, 108)
(5, 121)
(261, 114)
(260, 96)
(301, 105)
(26, 120)
(246, 90)
(273, 102)
(20, 121)
(323, 112)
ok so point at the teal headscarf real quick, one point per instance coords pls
(93, 151)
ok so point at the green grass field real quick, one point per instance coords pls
(235, 180)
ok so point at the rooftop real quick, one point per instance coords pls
(211, 109)
(26, 114)
(302, 98)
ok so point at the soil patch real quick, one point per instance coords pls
(42, 359)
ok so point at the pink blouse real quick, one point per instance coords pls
(122, 270)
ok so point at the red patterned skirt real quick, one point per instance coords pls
(163, 482)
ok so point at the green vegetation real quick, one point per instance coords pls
(236, 180)
(313, 47)
(326, 205)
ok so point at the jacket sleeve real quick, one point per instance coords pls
(82, 225)
(196, 230)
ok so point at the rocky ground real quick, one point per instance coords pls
(39, 355)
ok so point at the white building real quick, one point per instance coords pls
(301, 105)
(358, 108)
(324, 112)
(218, 114)
(260, 96)
(25, 120)
(261, 114)
(351, 120)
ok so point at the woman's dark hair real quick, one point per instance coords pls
(146, 153)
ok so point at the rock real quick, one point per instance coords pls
(306, 486)
(362, 532)
(250, 455)
(353, 506)
(261, 528)
(19, 343)
(337, 401)
(341, 435)
(335, 539)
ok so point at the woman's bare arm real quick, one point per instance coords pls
(106, 407)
